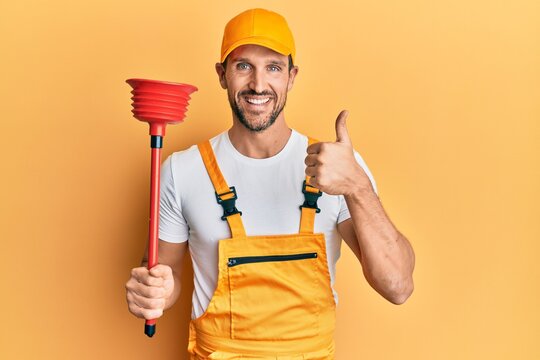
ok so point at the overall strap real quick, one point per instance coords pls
(225, 195)
(309, 207)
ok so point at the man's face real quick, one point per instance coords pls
(257, 80)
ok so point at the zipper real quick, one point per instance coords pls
(256, 259)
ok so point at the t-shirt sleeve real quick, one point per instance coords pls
(344, 210)
(172, 224)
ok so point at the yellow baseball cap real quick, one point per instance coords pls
(258, 27)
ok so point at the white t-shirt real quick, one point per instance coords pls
(269, 195)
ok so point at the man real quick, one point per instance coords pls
(263, 239)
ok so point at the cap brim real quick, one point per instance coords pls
(261, 41)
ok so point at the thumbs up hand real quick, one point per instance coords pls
(331, 165)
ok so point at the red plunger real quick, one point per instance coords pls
(158, 103)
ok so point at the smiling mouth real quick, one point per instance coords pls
(257, 101)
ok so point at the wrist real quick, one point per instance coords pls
(359, 182)
(361, 193)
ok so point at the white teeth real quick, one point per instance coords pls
(257, 101)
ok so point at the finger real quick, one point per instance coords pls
(151, 292)
(146, 303)
(133, 285)
(342, 135)
(130, 296)
(147, 314)
(161, 271)
(141, 312)
(311, 171)
(135, 309)
(152, 314)
(314, 148)
(143, 276)
(311, 160)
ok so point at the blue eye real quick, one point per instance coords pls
(242, 66)
(274, 68)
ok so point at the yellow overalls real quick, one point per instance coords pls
(273, 298)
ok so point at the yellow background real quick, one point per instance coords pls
(444, 107)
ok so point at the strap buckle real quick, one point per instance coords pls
(229, 207)
(310, 198)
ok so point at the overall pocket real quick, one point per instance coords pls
(274, 297)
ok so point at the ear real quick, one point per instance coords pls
(220, 70)
(292, 75)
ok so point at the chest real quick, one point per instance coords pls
(268, 197)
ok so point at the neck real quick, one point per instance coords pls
(260, 145)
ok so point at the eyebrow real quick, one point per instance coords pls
(277, 62)
(271, 62)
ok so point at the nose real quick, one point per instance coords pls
(257, 81)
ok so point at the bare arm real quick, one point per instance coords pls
(386, 256)
(150, 292)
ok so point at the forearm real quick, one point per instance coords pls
(386, 255)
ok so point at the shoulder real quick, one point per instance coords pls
(185, 158)
(191, 156)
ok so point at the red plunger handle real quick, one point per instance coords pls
(156, 144)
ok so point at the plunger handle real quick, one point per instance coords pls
(156, 143)
(158, 103)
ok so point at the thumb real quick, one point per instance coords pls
(162, 271)
(342, 135)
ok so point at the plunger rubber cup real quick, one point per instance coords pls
(158, 103)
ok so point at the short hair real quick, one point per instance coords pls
(291, 65)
